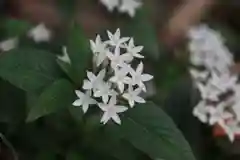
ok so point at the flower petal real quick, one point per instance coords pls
(77, 102)
(116, 119)
(146, 77)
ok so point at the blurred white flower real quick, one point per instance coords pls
(219, 114)
(130, 7)
(223, 82)
(199, 75)
(104, 90)
(84, 100)
(99, 49)
(110, 4)
(133, 96)
(207, 49)
(111, 111)
(200, 111)
(40, 33)
(94, 81)
(208, 92)
(115, 39)
(138, 77)
(65, 57)
(8, 44)
(133, 51)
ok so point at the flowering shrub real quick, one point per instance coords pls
(63, 97)
(218, 86)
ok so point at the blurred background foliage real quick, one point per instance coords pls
(160, 27)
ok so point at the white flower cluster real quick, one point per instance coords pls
(123, 6)
(116, 79)
(219, 89)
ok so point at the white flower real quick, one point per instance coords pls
(84, 100)
(231, 127)
(117, 60)
(199, 75)
(99, 49)
(223, 82)
(119, 77)
(8, 44)
(133, 96)
(200, 111)
(104, 90)
(40, 33)
(111, 111)
(208, 92)
(207, 49)
(115, 39)
(218, 114)
(94, 81)
(65, 58)
(133, 51)
(138, 78)
(110, 4)
(130, 6)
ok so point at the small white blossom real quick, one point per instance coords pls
(218, 114)
(110, 4)
(65, 57)
(133, 96)
(115, 39)
(207, 49)
(104, 90)
(119, 77)
(111, 111)
(200, 111)
(99, 49)
(117, 60)
(223, 82)
(209, 92)
(84, 100)
(94, 81)
(130, 7)
(138, 77)
(199, 75)
(8, 44)
(40, 33)
(133, 51)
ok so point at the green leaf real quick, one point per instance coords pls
(74, 155)
(29, 69)
(150, 130)
(79, 52)
(14, 27)
(46, 155)
(58, 96)
(144, 33)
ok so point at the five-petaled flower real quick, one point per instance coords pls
(111, 111)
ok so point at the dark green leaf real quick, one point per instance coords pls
(58, 96)
(144, 33)
(79, 52)
(15, 27)
(150, 130)
(29, 69)
(46, 155)
(74, 155)
(67, 68)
